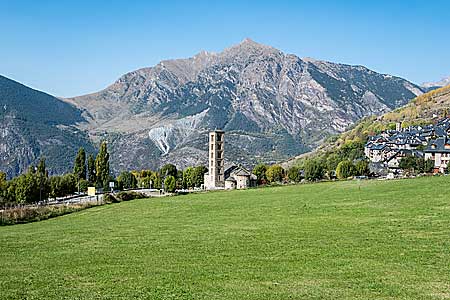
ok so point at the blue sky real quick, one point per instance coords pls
(70, 48)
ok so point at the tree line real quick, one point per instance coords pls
(168, 177)
(36, 184)
(92, 170)
(311, 170)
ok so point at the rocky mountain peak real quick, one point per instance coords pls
(248, 49)
(272, 106)
(249, 42)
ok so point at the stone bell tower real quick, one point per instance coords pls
(216, 160)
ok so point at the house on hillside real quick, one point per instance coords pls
(387, 148)
(439, 151)
(378, 152)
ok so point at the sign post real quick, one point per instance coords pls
(91, 191)
(111, 185)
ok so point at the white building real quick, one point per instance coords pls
(215, 178)
(439, 151)
(238, 177)
(235, 177)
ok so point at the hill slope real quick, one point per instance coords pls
(273, 105)
(34, 124)
(424, 109)
(341, 240)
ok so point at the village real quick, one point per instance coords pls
(429, 142)
(384, 151)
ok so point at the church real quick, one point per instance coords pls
(234, 177)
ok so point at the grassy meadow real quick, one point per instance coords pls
(342, 240)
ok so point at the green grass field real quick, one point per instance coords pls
(343, 240)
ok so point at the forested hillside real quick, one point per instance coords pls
(34, 124)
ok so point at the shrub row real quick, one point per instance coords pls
(122, 196)
(28, 214)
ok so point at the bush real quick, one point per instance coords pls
(275, 173)
(362, 168)
(294, 174)
(314, 170)
(345, 169)
(260, 172)
(126, 196)
(39, 213)
(110, 198)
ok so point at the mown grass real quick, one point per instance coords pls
(343, 240)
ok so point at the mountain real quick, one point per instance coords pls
(34, 124)
(272, 105)
(422, 110)
(434, 85)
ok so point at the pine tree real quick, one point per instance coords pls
(79, 167)
(91, 169)
(102, 165)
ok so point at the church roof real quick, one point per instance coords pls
(238, 171)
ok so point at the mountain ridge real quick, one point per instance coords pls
(278, 101)
(34, 124)
(273, 106)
